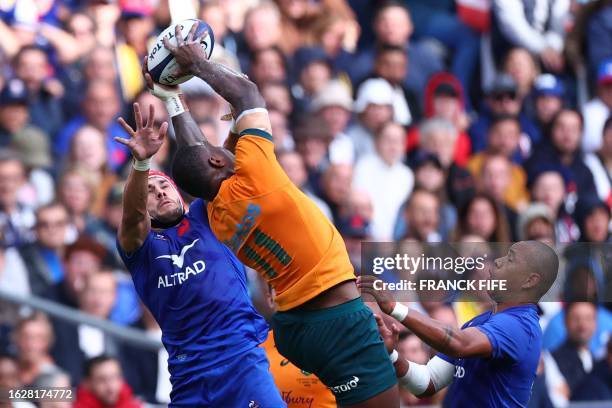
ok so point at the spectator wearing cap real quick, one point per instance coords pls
(536, 223)
(600, 164)
(444, 99)
(393, 28)
(596, 111)
(502, 99)
(44, 93)
(312, 137)
(385, 178)
(100, 106)
(293, 164)
(438, 136)
(16, 217)
(313, 71)
(552, 186)
(374, 107)
(15, 120)
(334, 105)
(548, 92)
(391, 64)
(562, 148)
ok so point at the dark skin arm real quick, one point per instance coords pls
(144, 142)
(235, 88)
(452, 341)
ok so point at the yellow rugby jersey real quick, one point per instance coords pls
(274, 228)
(298, 388)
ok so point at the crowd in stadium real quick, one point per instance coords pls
(428, 121)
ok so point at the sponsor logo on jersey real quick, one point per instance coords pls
(347, 386)
(177, 278)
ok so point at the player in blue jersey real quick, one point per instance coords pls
(492, 360)
(194, 287)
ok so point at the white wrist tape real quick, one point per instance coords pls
(393, 356)
(400, 312)
(142, 165)
(175, 105)
(249, 111)
(416, 379)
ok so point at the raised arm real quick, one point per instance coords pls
(237, 89)
(449, 340)
(144, 142)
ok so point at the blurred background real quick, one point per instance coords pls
(417, 121)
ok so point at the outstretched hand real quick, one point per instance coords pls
(186, 51)
(145, 141)
(389, 336)
(365, 283)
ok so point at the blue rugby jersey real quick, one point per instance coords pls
(504, 379)
(196, 289)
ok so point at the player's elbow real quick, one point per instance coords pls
(251, 98)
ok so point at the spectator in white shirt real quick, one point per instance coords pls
(598, 109)
(387, 180)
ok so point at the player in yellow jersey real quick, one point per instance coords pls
(322, 325)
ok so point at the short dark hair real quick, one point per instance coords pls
(92, 363)
(192, 172)
(570, 305)
(389, 4)
(384, 48)
(25, 49)
(504, 117)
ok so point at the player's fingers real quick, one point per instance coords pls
(379, 321)
(137, 116)
(178, 32)
(149, 81)
(191, 35)
(395, 329)
(168, 45)
(127, 142)
(127, 127)
(145, 65)
(151, 116)
(163, 130)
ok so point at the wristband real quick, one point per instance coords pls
(175, 105)
(400, 312)
(142, 165)
(393, 356)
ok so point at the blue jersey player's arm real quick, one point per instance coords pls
(144, 142)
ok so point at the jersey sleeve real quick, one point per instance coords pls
(198, 211)
(137, 260)
(446, 358)
(508, 337)
(257, 169)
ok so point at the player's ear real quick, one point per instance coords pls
(532, 281)
(217, 160)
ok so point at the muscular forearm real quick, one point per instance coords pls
(440, 336)
(235, 88)
(135, 222)
(187, 131)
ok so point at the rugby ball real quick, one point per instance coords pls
(161, 63)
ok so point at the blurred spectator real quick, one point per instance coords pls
(31, 65)
(337, 34)
(313, 71)
(600, 164)
(9, 380)
(374, 108)
(444, 99)
(573, 357)
(563, 149)
(439, 137)
(385, 178)
(83, 27)
(312, 138)
(497, 177)
(598, 34)
(393, 27)
(422, 217)
(521, 66)
(76, 191)
(104, 386)
(54, 379)
(437, 19)
(334, 105)
(485, 218)
(536, 223)
(336, 187)
(43, 258)
(15, 117)
(33, 338)
(105, 233)
(598, 109)
(13, 278)
(293, 164)
(82, 341)
(538, 26)
(354, 224)
(268, 65)
(593, 219)
(502, 99)
(277, 97)
(597, 386)
(549, 187)
(16, 219)
(548, 93)
(100, 107)
(261, 31)
(411, 348)
(283, 140)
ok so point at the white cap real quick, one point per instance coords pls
(376, 91)
(334, 93)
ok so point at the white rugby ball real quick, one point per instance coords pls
(161, 63)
